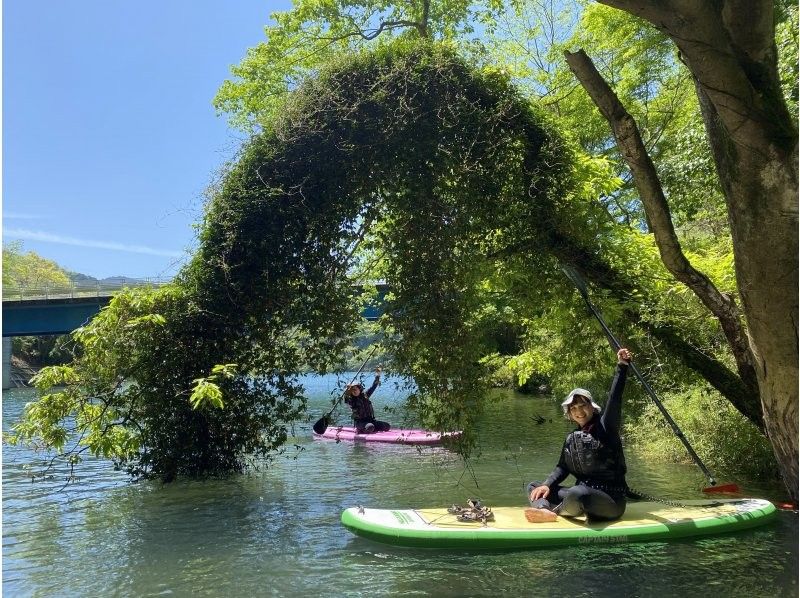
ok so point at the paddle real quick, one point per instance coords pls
(733, 491)
(581, 286)
(322, 423)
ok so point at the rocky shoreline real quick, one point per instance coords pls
(21, 372)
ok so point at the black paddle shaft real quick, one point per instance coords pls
(579, 284)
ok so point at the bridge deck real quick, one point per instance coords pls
(35, 311)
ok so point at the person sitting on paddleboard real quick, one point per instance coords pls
(593, 454)
(363, 414)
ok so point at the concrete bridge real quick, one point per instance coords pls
(56, 309)
(42, 311)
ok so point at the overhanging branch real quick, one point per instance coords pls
(658, 213)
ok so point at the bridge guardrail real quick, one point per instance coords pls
(77, 288)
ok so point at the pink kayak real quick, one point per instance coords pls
(399, 436)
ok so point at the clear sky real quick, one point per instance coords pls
(109, 135)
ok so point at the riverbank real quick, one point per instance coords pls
(21, 373)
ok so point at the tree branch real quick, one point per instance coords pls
(388, 25)
(659, 217)
(720, 377)
(726, 381)
(426, 13)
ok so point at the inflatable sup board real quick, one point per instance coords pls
(399, 436)
(643, 521)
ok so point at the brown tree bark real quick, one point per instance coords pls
(729, 48)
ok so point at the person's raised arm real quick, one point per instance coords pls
(375, 383)
(612, 414)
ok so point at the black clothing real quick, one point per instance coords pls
(593, 454)
(574, 501)
(363, 413)
(361, 405)
(361, 424)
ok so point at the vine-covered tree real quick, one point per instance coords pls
(445, 168)
(654, 82)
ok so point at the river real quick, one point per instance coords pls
(276, 531)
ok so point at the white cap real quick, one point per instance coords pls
(579, 392)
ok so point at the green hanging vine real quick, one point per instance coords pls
(442, 168)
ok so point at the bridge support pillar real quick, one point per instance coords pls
(6, 362)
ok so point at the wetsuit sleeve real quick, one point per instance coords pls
(559, 474)
(612, 414)
(375, 384)
(348, 400)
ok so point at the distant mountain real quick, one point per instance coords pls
(78, 277)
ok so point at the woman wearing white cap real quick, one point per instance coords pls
(593, 454)
(363, 413)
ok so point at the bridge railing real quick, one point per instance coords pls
(77, 288)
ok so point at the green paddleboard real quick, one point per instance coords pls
(642, 522)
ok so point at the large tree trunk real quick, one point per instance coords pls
(729, 47)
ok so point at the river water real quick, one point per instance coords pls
(276, 532)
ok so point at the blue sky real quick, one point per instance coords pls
(109, 135)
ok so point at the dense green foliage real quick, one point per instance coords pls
(304, 38)
(406, 164)
(525, 40)
(448, 169)
(445, 171)
(29, 269)
(717, 431)
(147, 393)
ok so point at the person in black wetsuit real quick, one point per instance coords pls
(363, 414)
(593, 454)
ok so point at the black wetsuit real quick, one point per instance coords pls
(593, 454)
(363, 413)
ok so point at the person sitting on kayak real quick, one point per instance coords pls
(363, 414)
(593, 454)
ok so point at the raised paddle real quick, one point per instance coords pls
(581, 286)
(322, 423)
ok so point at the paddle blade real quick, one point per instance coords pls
(722, 489)
(321, 425)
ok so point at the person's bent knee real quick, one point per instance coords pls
(573, 502)
(532, 485)
(607, 512)
(539, 503)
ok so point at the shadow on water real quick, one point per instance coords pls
(276, 532)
